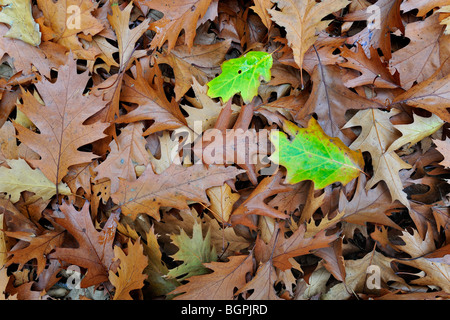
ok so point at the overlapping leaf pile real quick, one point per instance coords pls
(100, 100)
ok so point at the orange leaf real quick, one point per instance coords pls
(130, 270)
(178, 16)
(60, 122)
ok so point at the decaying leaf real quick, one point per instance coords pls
(19, 16)
(302, 21)
(61, 126)
(20, 177)
(224, 150)
(170, 188)
(130, 271)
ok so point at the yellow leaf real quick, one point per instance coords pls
(445, 16)
(17, 13)
(222, 201)
(414, 132)
(21, 177)
(130, 276)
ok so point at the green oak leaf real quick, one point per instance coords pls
(310, 154)
(241, 75)
(193, 252)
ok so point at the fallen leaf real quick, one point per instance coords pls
(193, 252)
(19, 16)
(377, 134)
(61, 126)
(302, 21)
(262, 284)
(126, 152)
(177, 17)
(95, 249)
(312, 155)
(220, 284)
(427, 50)
(64, 20)
(21, 177)
(151, 103)
(241, 75)
(130, 270)
(356, 276)
(171, 188)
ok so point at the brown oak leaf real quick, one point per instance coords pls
(95, 248)
(60, 122)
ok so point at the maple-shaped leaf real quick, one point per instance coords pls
(220, 284)
(18, 15)
(303, 20)
(130, 270)
(152, 101)
(23, 178)
(310, 154)
(127, 151)
(61, 122)
(241, 75)
(193, 252)
(172, 188)
(63, 20)
(95, 248)
(178, 16)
